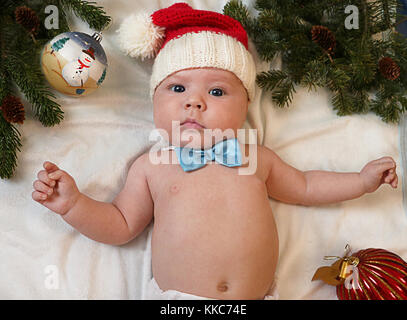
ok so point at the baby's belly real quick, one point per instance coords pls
(215, 241)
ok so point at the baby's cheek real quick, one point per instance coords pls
(163, 120)
(230, 119)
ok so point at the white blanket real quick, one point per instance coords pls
(42, 257)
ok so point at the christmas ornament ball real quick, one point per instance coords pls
(74, 63)
(382, 275)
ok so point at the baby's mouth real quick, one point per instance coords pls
(192, 124)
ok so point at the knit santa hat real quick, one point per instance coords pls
(180, 37)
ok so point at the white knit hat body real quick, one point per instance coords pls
(204, 49)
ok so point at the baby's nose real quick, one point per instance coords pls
(189, 105)
(197, 103)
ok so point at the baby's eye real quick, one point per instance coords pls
(178, 88)
(216, 92)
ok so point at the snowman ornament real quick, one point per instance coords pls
(76, 72)
(74, 63)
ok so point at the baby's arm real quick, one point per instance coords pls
(316, 187)
(113, 223)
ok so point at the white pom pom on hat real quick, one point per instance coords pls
(139, 37)
(181, 37)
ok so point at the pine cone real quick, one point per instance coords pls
(388, 68)
(13, 109)
(27, 18)
(324, 37)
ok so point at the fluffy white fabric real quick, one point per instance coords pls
(103, 133)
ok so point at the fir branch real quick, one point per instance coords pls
(351, 71)
(339, 83)
(383, 14)
(238, 11)
(342, 102)
(386, 13)
(363, 69)
(271, 20)
(261, 5)
(362, 102)
(4, 83)
(281, 85)
(283, 94)
(339, 78)
(316, 75)
(268, 44)
(271, 79)
(9, 145)
(389, 111)
(390, 102)
(88, 11)
(46, 110)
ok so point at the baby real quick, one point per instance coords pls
(214, 234)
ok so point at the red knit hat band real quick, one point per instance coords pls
(180, 18)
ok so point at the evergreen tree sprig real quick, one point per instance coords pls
(88, 11)
(300, 31)
(27, 79)
(9, 145)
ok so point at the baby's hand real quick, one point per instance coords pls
(55, 189)
(377, 172)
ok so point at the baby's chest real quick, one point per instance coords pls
(209, 183)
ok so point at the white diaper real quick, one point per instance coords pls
(153, 292)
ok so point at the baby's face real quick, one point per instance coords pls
(213, 98)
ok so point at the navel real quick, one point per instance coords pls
(223, 286)
(174, 188)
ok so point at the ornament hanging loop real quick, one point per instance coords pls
(346, 261)
(345, 256)
(97, 36)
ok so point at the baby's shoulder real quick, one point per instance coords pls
(265, 156)
(255, 155)
(152, 160)
(261, 150)
(139, 165)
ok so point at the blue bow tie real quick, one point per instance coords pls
(226, 152)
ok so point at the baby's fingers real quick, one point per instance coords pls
(49, 166)
(39, 196)
(391, 178)
(42, 187)
(383, 160)
(386, 165)
(59, 175)
(43, 177)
